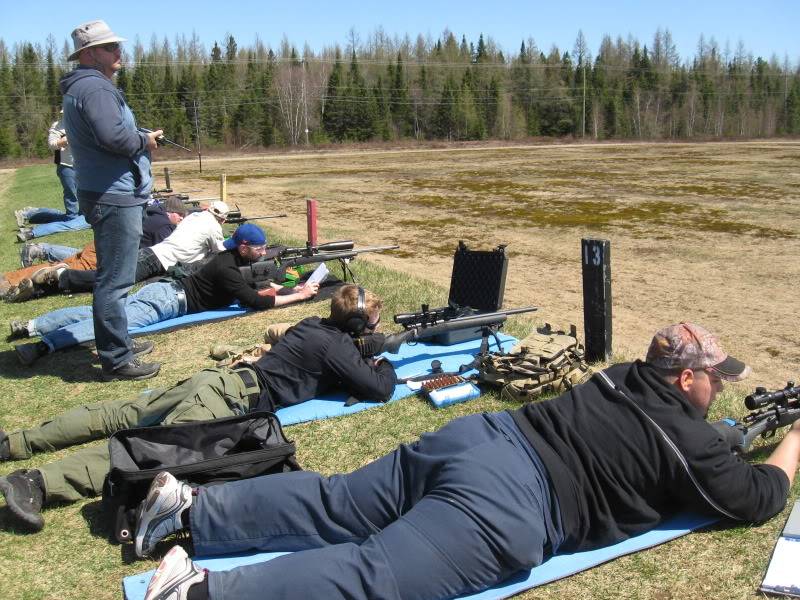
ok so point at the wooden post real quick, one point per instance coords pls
(223, 188)
(311, 221)
(596, 261)
(166, 180)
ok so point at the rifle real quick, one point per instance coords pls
(235, 217)
(770, 412)
(430, 323)
(273, 266)
(161, 140)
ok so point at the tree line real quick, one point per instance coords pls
(390, 88)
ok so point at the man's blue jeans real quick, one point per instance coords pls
(117, 230)
(51, 215)
(55, 253)
(455, 512)
(74, 325)
(76, 224)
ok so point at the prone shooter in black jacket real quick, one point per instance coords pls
(314, 357)
(463, 508)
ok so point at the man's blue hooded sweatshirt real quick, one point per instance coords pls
(112, 162)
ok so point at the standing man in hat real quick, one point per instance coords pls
(112, 165)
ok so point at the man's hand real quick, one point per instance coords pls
(62, 142)
(152, 138)
(307, 290)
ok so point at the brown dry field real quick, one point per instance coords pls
(705, 232)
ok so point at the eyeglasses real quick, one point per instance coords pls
(110, 47)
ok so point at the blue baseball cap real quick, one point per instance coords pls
(249, 234)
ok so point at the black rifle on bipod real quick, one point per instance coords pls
(273, 266)
(770, 412)
(161, 140)
(430, 323)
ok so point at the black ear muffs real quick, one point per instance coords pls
(356, 322)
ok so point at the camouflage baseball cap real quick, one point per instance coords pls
(689, 346)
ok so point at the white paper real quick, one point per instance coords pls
(319, 274)
(782, 575)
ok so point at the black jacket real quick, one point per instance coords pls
(615, 476)
(313, 358)
(156, 226)
(219, 282)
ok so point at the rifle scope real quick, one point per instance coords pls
(329, 247)
(762, 397)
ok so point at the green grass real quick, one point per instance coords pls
(72, 559)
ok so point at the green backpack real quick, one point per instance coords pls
(545, 361)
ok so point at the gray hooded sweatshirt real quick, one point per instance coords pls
(112, 163)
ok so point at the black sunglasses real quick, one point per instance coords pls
(110, 47)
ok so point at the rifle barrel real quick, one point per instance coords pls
(241, 219)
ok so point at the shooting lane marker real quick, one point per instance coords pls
(596, 262)
(223, 188)
(167, 180)
(311, 221)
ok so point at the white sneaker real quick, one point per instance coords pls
(160, 513)
(174, 576)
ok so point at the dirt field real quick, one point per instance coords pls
(703, 232)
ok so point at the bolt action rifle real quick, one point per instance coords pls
(273, 266)
(235, 217)
(430, 323)
(770, 412)
(161, 140)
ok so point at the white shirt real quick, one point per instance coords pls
(197, 236)
(55, 133)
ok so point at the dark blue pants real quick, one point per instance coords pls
(455, 512)
(117, 230)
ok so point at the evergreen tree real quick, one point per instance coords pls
(333, 120)
(8, 141)
(30, 111)
(214, 97)
(399, 105)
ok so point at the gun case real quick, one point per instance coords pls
(202, 453)
(478, 280)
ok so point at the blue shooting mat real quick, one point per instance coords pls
(220, 314)
(410, 360)
(557, 567)
(207, 316)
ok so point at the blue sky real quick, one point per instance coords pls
(765, 27)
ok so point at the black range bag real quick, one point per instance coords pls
(201, 453)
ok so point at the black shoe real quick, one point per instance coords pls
(30, 353)
(142, 347)
(5, 446)
(135, 370)
(24, 493)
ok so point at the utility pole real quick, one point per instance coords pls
(583, 122)
(197, 133)
(305, 100)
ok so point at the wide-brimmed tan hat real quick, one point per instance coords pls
(92, 33)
